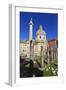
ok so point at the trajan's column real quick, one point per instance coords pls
(30, 29)
(31, 38)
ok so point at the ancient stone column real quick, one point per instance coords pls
(48, 56)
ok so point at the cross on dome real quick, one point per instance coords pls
(40, 27)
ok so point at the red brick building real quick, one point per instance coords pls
(52, 50)
(53, 43)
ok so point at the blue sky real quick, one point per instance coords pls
(49, 21)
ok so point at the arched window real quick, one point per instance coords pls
(40, 37)
(41, 48)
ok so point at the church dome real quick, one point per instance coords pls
(40, 31)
